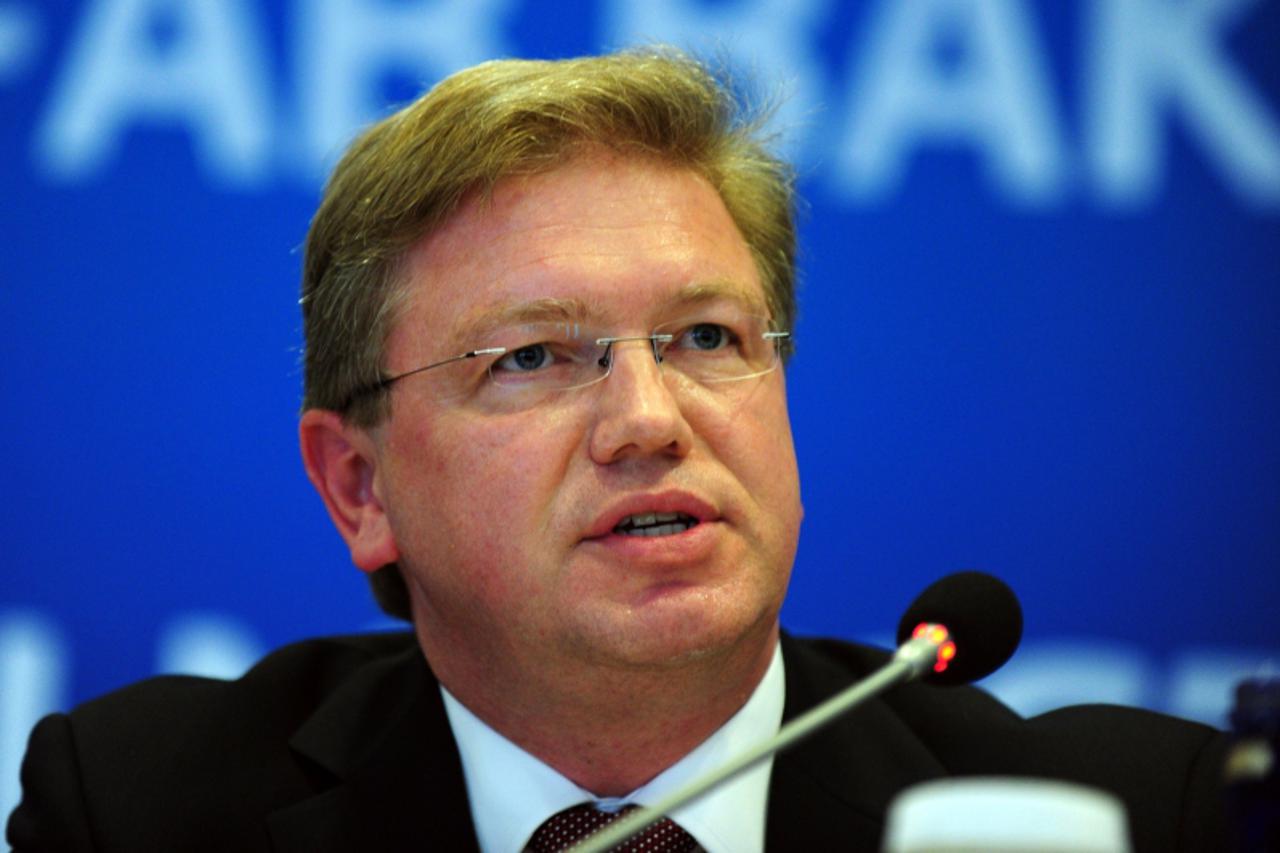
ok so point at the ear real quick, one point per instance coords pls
(342, 465)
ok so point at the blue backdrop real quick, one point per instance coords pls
(1040, 303)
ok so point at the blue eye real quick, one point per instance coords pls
(706, 336)
(526, 359)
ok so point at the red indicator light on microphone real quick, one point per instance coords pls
(935, 633)
(945, 654)
(939, 636)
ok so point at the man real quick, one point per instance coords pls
(545, 310)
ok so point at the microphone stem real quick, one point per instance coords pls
(910, 661)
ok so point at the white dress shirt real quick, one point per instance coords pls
(512, 793)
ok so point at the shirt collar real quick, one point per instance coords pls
(512, 793)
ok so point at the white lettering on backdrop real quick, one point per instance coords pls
(925, 75)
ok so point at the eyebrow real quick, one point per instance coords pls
(547, 309)
(551, 309)
(700, 293)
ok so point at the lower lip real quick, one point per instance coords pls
(695, 543)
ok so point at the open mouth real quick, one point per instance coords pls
(655, 524)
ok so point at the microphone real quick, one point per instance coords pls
(982, 616)
(961, 628)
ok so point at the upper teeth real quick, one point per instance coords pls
(655, 524)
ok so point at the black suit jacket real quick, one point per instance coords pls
(343, 744)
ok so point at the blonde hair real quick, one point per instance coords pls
(407, 174)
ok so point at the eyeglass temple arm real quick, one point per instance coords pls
(385, 382)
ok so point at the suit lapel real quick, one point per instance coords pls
(831, 791)
(387, 775)
(387, 766)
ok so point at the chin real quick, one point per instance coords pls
(670, 637)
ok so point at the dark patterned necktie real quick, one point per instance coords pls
(564, 829)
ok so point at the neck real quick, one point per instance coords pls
(611, 729)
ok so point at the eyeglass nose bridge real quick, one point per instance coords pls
(606, 358)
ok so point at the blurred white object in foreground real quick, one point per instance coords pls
(1003, 815)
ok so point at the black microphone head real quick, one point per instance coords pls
(983, 617)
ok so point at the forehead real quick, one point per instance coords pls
(612, 239)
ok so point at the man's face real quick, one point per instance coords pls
(503, 519)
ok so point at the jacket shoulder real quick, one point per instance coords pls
(199, 748)
(313, 666)
(1166, 770)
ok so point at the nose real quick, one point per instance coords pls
(636, 412)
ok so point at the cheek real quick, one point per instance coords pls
(754, 434)
(754, 442)
(485, 481)
(525, 456)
